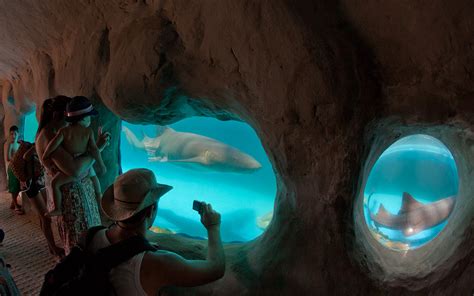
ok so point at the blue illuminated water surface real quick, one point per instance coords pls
(419, 165)
(245, 200)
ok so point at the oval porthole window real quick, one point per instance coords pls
(410, 192)
(220, 162)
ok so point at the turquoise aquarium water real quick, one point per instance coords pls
(220, 162)
(30, 127)
(410, 192)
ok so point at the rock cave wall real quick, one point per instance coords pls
(314, 79)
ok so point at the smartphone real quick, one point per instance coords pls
(197, 206)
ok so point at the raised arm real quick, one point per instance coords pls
(103, 139)
(131, 138)
(53, 145)
(163, 268)
(95, 152)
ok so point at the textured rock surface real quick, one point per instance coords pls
(309, 76)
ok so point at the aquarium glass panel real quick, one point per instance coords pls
(410, 192)
(30, 127)
(220, 162)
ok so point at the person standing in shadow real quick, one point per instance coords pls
(10, 148)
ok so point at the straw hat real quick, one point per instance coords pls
(130, 193)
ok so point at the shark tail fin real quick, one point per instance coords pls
(382, 217)
(131, 138)
(409, 203)
(383, 213)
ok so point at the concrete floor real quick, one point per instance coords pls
(24, 247)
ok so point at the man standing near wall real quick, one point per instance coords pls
(10, 148)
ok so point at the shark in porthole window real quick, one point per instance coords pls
(410, 192)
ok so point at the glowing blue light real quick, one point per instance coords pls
(30, 127)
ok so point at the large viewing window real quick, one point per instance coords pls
(410, 192)
(220, 162)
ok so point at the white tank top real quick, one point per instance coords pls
(125, 278)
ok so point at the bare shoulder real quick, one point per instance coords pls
(156, 262)
(77, 129)
(155, 268)
(89, 131)
(43, 138)
(85, 130)
(64, 129)
(162, 257)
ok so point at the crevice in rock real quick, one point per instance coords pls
(51, 75)
(104, 47)
(167, 42)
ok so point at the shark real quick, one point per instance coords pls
(414, 216)
(191, 149)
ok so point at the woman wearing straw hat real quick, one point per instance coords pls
(132, 203)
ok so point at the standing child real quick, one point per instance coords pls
(10, 148)
(77, 139)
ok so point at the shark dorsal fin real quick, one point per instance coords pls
(383, 217)
(383, 213)
(409, 203)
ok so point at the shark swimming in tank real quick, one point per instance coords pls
(414, 216)
(191, 150)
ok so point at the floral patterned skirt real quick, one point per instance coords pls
(80, 211)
